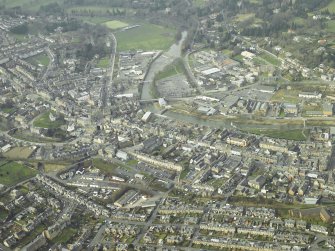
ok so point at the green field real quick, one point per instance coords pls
(13, 172)
(145, 37)
(41, 59)
(281, 134)
(176, 67)
(103, 63)
(330, 7)
(33, 5)
(271, 59)
(65, 236)
(200, 3)
(115, 24)
(331, 26)
(44, 121)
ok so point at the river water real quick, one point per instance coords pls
(160, 63)
(167, 58)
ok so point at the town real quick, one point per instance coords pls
(119, 132)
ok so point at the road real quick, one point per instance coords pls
(151, 219)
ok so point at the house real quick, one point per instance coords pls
(146, 117)
(310, 95)
(290, 108)
(327, 109)
(248, 55)
(257, 183)
(325, 215)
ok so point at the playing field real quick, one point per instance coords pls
(44, 121)
(41, 59)
(145, 37)
(115, 24)
(28, 5)
(103, 63)
(19, 153)
(13, 172)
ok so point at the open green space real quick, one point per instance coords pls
(331, 26)
(103, 62)
(176, 67)
(146, 37)
(40, 59)
(27, 136)
(14, 172)
(7, 109)
(19, 37)
(115, 24)
(330, 6)
(271, 59)
(200, 3)
(65, 236)
(104, 166)
(28, 5)
(44, 121)
(3, 214)
(296, 134)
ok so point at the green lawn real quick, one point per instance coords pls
(145, 37)
(199, 3)
(115, 24)
(13, 172)
(174, 68)
(44, 122)
(271, 59)
(7, 109)
(330, 6)
(33, 5)
(281, 134)
(41, 59)
(331, 26)
(65, 236)
(104, 166)
(103, 63)
(3, 214)
(19, 37)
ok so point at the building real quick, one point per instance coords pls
(257, 183)
(325, 215)
(248, 55)
(237, 141)
(290, 108)
(327, 109)
(147, 116)
(310, 95)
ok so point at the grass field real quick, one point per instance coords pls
(330, 7)
(331, 26)
(281, 134)
(284, 95)
(33, 5)
(115, 24)
(175, 68)
(65, 236)
(103, 63)
(271, 59)
(44, 122)
(145, 37)
(103, 166)
(41, 59)
(13, 172)
(200, 3)
(19, 153)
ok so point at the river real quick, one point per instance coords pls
(160, 63)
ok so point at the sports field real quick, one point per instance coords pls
(145, 37)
